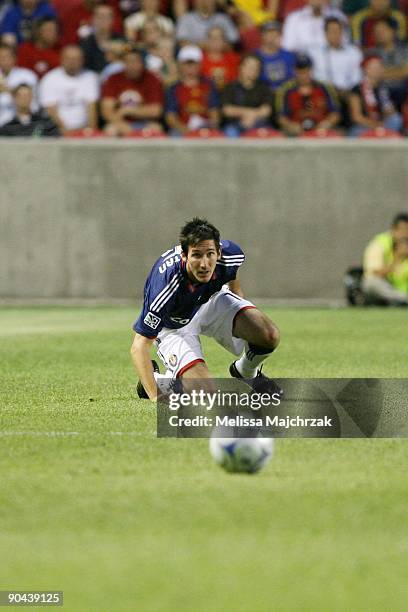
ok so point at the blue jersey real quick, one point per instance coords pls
(277, 68)
(171, 300)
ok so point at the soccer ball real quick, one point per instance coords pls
(247, 455)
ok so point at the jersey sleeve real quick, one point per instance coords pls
(232, 258)
(159, 291)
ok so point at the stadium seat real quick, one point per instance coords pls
(322, 134)
(146, 134)
(205, 133)
(263, 132)
(85, 133)
(380, 133)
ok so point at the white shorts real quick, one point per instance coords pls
(180, 349)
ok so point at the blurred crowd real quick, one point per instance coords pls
(204, 68)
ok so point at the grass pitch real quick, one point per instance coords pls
(92, 503)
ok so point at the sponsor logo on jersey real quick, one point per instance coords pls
(180, 320)
(151, 320)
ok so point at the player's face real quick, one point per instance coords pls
(201, 261)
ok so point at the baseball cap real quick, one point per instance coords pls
(303, 61)
(190, 53)
(271, 25)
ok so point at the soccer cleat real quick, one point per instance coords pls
(260, 384)
(140, 390)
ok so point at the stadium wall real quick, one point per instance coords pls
(88, 218)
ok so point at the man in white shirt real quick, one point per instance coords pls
(336, 62)
(304, 28)
(10, 78)
(69, 94)
(193, 26)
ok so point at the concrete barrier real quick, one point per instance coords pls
(88, 219)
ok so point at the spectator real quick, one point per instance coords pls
(95, 45)
(132, 99)
(115, 52)
(76, 22)
(337, 62)
(278, 65)
(11, 77)
(150, 35)
(191, 103)
(256, 12)
(150, 10)
(69, 94)
(219, 63)
(395, 57)
(161, 61)
(305, 28)
(26, 122)
(17, 24)
(370, 102)
(249, 15)
(43, 54)
(363, 22)
(304, 104)
(246, 103)
(194, 25)
(385, 265)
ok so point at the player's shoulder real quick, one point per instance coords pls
(230, 248)
(231, 253)
(167, 266)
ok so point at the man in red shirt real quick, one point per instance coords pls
(43, 54)
(219, 63)
(76, 23)
(132, 99)
(192, 103)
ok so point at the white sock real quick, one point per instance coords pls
(248, 364)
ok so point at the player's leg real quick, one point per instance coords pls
(261, 337)
(197, 377)
(242, 329)
(181, 354)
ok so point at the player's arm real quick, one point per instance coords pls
(141, 357)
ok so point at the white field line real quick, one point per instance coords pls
(55, 434)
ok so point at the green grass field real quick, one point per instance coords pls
(92, 503)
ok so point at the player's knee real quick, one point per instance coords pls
(270, 335)
(198, 370)
(197, 378)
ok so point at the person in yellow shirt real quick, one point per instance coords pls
(257, 12)
(385, 265)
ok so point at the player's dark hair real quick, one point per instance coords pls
(196, 231)
(401, 217)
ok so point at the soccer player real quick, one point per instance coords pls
(194, 289)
